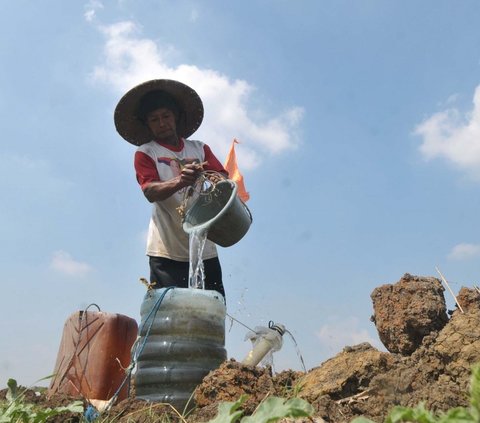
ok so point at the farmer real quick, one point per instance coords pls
(158, 116)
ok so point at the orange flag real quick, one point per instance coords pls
(234, 174)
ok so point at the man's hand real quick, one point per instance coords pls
(159, 191)
(190, 172)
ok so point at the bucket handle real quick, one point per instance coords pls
(248, 210)
(205, 176)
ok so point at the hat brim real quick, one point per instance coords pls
(131, 128)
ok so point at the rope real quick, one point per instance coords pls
(136, 352)
(204, 185)
(244, 325)
(83, 323)
(90, 305)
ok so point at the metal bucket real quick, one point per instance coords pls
(222, 213)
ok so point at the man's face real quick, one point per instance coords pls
(161, 123)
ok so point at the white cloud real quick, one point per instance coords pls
(464, 251)
(130, 60)
(64, 263)
(454, 137)
(91, 9)
(338, 333)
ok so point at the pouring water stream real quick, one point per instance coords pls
(196, 272)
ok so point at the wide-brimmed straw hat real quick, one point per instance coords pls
(128, 121)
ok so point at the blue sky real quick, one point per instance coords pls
(359, 125)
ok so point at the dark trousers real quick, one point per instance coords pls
(166, 272)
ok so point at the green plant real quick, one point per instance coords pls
(16, 410)
(269, 411)
(289, 390)
(297, 388)
(420, 414)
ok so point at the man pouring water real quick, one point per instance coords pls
(158, 116)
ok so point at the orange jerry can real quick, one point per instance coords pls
(93, 355)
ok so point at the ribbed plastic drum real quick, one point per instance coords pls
(186, 340)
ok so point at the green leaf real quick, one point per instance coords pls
(12, 390)
(42, 415)
(398, 414)
(275, 408)
(406, 414)
(16, 412)
(45, 378)
(19, 412)
(457, 415)
(228, 412)
(475, 414)
(361, 419)
(475, 388)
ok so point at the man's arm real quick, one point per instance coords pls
(155, 189)
(161, 190)
(212, 162)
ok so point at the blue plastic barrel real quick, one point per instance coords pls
(186, 341)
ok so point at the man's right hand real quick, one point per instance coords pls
(159, 191)
(190, 172)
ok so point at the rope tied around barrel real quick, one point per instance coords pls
(138, 347)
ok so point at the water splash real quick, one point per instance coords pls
(297, 350)
(196, 271)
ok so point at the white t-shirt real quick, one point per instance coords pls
(166, 237)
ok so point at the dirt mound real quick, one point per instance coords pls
(429, 360)
(233, 379)
(407, 311)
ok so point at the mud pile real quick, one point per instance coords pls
(408, 311)
(429, 360)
